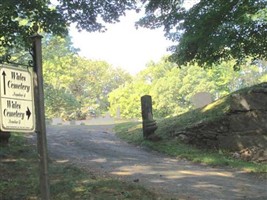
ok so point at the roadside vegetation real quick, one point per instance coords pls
(132, 133)
(183, 114)
(20, 178)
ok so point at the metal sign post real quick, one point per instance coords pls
(40, 116)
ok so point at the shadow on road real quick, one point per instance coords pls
(97, 149)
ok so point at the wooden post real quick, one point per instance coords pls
(40, 116)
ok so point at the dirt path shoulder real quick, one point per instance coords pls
(97, 149)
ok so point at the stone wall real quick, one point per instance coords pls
(244, 126)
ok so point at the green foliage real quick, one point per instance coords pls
(127, 99)
(211, 30)
(74, 84)
(92, 81)
(60, 103)
(17, 17)
(172, 88)
(208, 32)
(59, 57)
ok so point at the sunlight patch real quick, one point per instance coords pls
(62, 161)
(122, 173)
(100, 160)
(207, 173)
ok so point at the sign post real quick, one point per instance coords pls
(40, 115)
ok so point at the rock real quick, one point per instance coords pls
(246, 154)
(253, 99)
(242, 128)
(259, 155)
(248, 121)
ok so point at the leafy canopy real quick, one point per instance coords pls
(17, 17)
(210, 31)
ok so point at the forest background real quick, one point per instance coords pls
(76, 88)
(220, 47)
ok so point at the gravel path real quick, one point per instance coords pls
(97, 149)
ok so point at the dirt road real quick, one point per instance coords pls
(97, 149)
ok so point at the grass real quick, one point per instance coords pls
(132, 132)
(214, 111)
(20, 178)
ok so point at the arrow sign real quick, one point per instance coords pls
(28, 113)
(16, 100)
(4, 81)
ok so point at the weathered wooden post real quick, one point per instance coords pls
(40, 114)
(149, 124)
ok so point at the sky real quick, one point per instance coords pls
(123, 45)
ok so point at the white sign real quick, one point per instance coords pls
(17, 103)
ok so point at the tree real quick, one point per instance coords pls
(73, 84)
(172, 88)
(93, 81)
(211, 30)
(59, 59)
(128, 99)
(17, 17)
(208, 32)
(59, 102)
